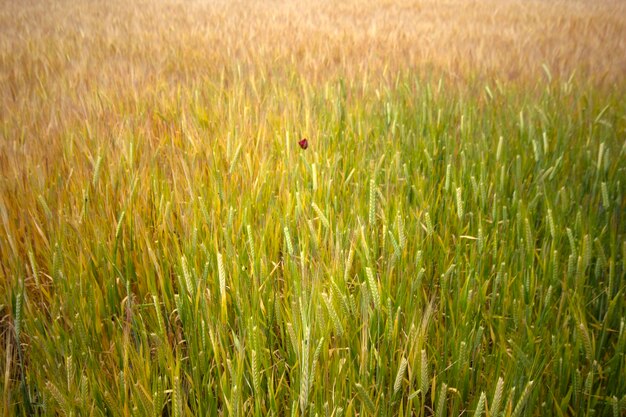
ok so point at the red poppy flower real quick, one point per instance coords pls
(303, 143)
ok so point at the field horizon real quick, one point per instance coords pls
(451, 241)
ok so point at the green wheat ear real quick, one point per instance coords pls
(373, 287)
(480, 406)
(441, 402)
(59, 397)
(188, 280)
(522, 401)
(321, 215)
(288, 241)
(17, 322)
(401, 233)
(366, 399)
(424, 381)
(496, 402)
(429, 224)
(250, 244)
(256, 378)
(615, 406)
(333, 315)
(372, 203)
(222, 281)
(400, 375)
(606, 202)
(459, 204)
(304, 373)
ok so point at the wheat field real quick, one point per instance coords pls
(450, 243)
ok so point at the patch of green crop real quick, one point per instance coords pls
(437, 250)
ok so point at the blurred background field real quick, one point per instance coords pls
(452, 242)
